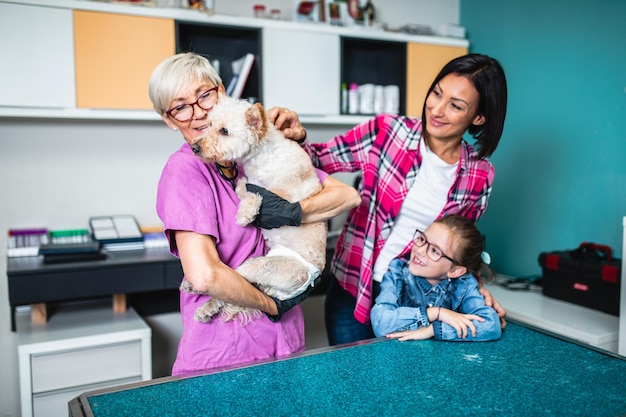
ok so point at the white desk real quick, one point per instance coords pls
(583, 324)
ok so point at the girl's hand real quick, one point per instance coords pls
(287, 122)
(461, 322)
(422, 333)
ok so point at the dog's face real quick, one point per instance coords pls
(235, 126)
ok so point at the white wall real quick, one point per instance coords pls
(58, 173)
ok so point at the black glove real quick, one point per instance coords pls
(275, 211)
(285, 305)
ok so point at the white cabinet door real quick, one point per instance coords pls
(301, 71)
(36, 57)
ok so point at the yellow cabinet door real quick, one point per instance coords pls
(115, 56)
(423, 64)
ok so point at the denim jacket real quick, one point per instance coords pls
(404, 298)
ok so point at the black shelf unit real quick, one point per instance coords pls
(226, 44)
(377, 62)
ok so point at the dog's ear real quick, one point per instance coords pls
(255, 117)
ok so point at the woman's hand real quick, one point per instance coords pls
(287, 122)
(491, 302)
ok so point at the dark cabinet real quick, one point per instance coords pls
(224, 44)
(378, 62)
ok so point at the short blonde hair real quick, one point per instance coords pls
(172, 76)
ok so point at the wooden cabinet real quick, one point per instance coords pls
(36, 57)
(424, 62)
(79, 350)
(300, 71)
(115, 56)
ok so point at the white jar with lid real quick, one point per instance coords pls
(353, 99)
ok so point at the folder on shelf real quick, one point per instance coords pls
(241, 71)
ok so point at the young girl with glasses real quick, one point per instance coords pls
(435, 292)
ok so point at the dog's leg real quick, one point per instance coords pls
(226, 311)
(243, 314)
(278, 276)
(187, 287)
(249, 206)
(206, 311)
(241, 189)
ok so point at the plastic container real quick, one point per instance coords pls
(259, 10)
(392, 99)
(366, 99)
(353, 99)
(379, 99)
(275, 14)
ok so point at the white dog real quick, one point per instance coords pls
(239, 131)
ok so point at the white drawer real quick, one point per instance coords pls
(54, 404)
(72, 368)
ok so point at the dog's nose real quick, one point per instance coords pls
(195, 148)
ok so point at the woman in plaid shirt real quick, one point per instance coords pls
(413, 172)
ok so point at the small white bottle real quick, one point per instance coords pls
(344, 98)
(353, 99)
(366, 98)
(379, 99)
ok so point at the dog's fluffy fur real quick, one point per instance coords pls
(241, 132)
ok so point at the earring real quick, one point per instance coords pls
(175, 129)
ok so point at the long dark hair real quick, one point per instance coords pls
(487, 76)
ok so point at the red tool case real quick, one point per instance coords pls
(588, 276)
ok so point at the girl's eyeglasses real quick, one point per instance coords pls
(432, 251)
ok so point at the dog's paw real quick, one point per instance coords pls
(187, 287)
(248, 209)
(208, 310)
(201, 316)
(241, 189)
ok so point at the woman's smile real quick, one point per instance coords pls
(435, 123)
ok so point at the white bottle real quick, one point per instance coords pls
(366, 99)
(344, 98)
(379, 99)
(392, 99)
(353, 99)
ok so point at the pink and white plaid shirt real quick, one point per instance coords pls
(386, 151)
